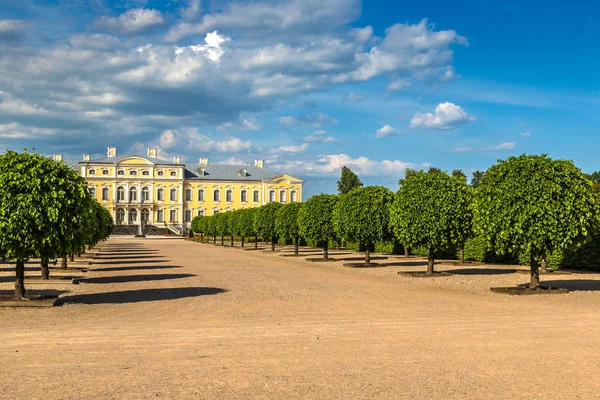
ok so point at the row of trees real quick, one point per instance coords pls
(530, 205)
(46, 212)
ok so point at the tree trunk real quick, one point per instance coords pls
(45, 269)
(338, 244)
(90, 247)
(367, 257)
(63, 262)
(72, 257)
(273, 244)
(544, 266)
(215, 239)
(231, 240)
(255, 242)
(430, 262)
(326, 250)
(296, 246)
(535, 272)
(20, 282)
(462, 255)
(406, 252)
(242, 242)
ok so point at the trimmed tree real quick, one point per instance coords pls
(315, 220)
(348, 181)
(245, 224)
(286, 223)
(210, 227)
(222, 225)
(42, 209)
(535, 205)
(264, 222)
(363, 216)
(233, 224)
(432, 210)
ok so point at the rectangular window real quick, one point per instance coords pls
(244, 196)
(215, 212)
(160, 215)
(173, 194)
(282, 196)
(173, 216)
(188, 195)
(92, 192)
(188, 215)
(201, 213)
(271, 196)
(293, 196)
(217, 196)
(160, 195)
(229, 195)
(201, 195)
(105, 194)
(256, 196)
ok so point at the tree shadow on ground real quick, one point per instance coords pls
(101, 257)
(96, 262)
(140, 295)
(358, 258)
(134, 278)
(120, 253)
(12, 269)
(481, 271)
(409, 264)
(133, 268)
(583, 285)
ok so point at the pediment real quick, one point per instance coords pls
(135, 161)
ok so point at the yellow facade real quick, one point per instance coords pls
(169, 194)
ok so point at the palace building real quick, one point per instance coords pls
(169, 194)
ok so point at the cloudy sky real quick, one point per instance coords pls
(307, 85)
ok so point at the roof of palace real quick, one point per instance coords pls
(193, 171)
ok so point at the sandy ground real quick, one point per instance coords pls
(183, 320)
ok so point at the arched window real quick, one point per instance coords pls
(272, 196)
(160, 173)
(120, 215)
(145, 215)
(145, 193)
(173, 173)
(173, 215)
(188, 194)
(160, 194)
(92, 172)
(217, 195)
(120, 172)
(133, 172)
(173, 194)
(244, 195)
(229, 195)
(146, 173)
(133, 194)
(188, 215)
(200, 195)
(132, 215)
(282, 196)
(104, 172)
(293, 196)
(120, 193)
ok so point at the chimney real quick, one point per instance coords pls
(259, 163)
(57, 157)
(86, 157)
(177, 160)
(204, 161)
(111, 152)
(152, 152)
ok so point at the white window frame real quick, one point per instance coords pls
(201, 197)
(282, 196)
(256, 196)
(160, 194)
(272, 195)
(107, 191)
(188, 194)
(160, 215)
(171, 191)
(229, 195)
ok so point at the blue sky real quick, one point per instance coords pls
(307, 85)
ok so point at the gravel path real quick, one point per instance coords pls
(182, 320)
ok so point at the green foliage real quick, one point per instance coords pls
(476, 178)
(433, 210)
(286, 221)
(196, 224)
(315, 218)
(222, 223)
(264, 220)
(245, 222)
(533, 205)
(457, 173)
(210, 225)
(46, 209)
(233, 222)
(348, 181)
(363, 216)
(408, 173)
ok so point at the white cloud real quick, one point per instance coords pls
(167, 140)
(386, 130)
(525, 134)
(447, 116)
(233, 161)
(314, 120)
(320, 132)
(354, 98)
(293, 149)
(12, 29)
(136, 20)
(319, 139)
(501, 146)
(398, 84)
(329, 165)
